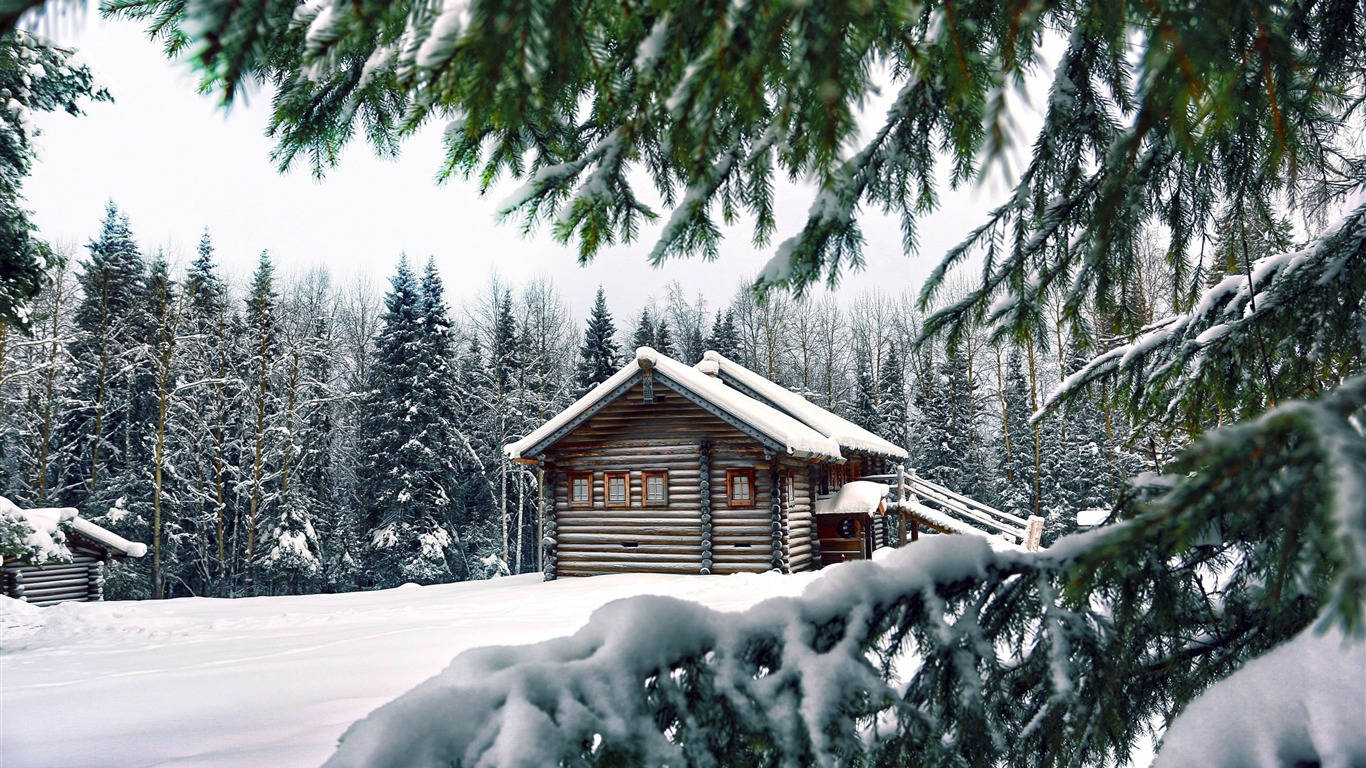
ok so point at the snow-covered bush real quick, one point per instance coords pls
(33, 537)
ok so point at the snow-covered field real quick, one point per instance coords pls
(274, 680)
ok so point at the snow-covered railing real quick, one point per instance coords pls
(944, 510)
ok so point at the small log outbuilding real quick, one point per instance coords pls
(672, 468)
(74, 552)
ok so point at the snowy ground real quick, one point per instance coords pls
(273, 680)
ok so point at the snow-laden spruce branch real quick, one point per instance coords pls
(1306, 304)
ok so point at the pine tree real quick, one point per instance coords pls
(598, 355)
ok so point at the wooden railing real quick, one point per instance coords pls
(921, 503)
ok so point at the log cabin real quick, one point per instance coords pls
(671, 468)
(75, 551)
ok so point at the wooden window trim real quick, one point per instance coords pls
(663, 475)
(731, 501)
(607, 489)
(580, 476)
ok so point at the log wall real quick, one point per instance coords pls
(669, 433)
(82, 579)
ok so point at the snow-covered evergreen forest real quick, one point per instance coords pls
(290, 434)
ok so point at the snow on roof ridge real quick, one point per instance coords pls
(844, 432)
(795, 435)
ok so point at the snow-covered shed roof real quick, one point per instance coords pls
(854, 497)
(46, 522)
(848, 434)
(1090, 518)
(787, 433)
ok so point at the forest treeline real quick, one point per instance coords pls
(293, 436)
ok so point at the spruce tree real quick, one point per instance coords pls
(599, 354)
(508, 418)
(891, 410)
(441, 411)
(258, 374)
(724, 338)
(1016, 480)
(865, 407)
(407, 537)
(104, 429)
(35, 76)
(161, 322)
(644, 334)
(664, 342)
(204, 444)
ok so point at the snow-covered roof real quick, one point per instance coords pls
(48, 523)
(1090, 518)
(854, 497)
(794, 436)
(107, 538)
(846, 433)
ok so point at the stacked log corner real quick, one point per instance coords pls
(704, 504)
(775, 485)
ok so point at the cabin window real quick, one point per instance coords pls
(580, 489)
(618, 489)
(791, 494)
(656, 487)
(740, 488)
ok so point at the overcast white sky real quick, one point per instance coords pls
(176, 163)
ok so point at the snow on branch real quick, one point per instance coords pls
(532, 705)
(1305, 305)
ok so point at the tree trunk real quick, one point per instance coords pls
(1005, 414)
(1034, 407)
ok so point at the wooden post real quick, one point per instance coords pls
(549, 541)
(901, 505)
(1034, 533)
(704, 503)
(540, 511)
(915, 530)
